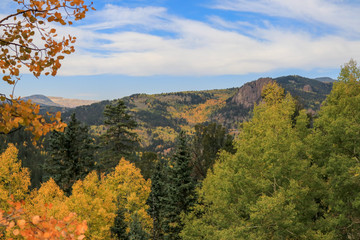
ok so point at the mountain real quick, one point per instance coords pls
(325, 79)
(42, 100)
(71, 103)
(162, 116)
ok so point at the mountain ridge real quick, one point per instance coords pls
(161, 116)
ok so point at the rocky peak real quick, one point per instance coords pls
(250, 93)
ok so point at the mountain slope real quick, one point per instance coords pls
(161, 116)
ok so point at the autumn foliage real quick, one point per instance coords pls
(47, 213)
(29, 43)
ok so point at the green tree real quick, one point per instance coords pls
(118, 230)
(180, 190)
(71, 155)
(268, 188)
(136, 230)
(208, 141)
(336, 149)
(119, 140)
(156, 198)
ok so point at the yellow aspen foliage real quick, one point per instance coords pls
(94, 202)
(49, 194)
(132, 191)
(15, 180)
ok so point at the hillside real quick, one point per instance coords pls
(161, 116)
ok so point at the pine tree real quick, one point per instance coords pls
(156, 198)
(180, 195)
(71, 155)
(207, 143)
(119, 140)
(118, 230)
(136, 230)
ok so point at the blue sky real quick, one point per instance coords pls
(139, 46)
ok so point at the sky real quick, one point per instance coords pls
(140, 46)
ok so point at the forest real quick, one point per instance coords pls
(286, 173)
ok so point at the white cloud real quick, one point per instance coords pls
(331, 12)
(192, 47)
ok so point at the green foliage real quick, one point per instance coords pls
(119, 140)
(268, 188)
(118, 230)
(336, 148)
(208, 141)
(136, 230)
(180, 190)
(71, 155)
(157, 196)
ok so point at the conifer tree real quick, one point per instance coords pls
(71, 155)
(118, 230)
(136, 230)
(119, 140)
(180, 195)
(156, 198)
(207, 143)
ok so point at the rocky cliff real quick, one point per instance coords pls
(250, 93)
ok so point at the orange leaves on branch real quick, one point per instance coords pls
(18, 223)
(27, 41)
(17, 113)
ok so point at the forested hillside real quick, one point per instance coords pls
(160, 117)
(287, 175)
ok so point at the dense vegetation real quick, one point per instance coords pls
(287, 175)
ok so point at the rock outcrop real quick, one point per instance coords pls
(250, 93)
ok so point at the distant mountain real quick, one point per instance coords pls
(161, 116)
(325, 79)
(42, 100)
(71, 103)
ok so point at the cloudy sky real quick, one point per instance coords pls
(140, 46)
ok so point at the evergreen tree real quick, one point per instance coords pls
(156, 198)
(207, 143)
(118, 230)
(136, 230)
(119, 139)
(180, 195)
(71, 155)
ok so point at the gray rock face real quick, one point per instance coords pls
(250, 93)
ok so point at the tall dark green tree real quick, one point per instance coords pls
(119, 140)
(118, 230)
(70, 155)
(180, 190)
(208, 141)
(136, 230)
(156, 200)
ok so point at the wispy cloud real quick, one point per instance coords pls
(126, 41)
(344, 15)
